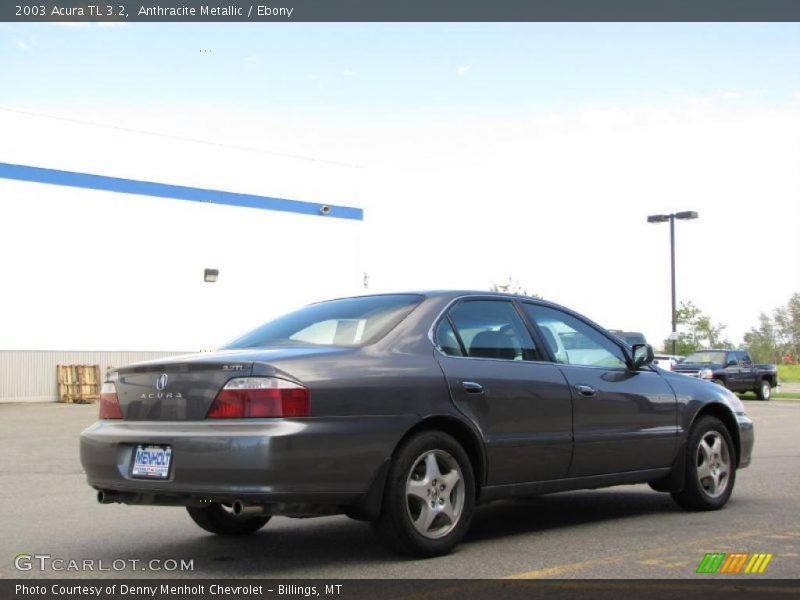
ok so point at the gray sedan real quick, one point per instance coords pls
(407, 410)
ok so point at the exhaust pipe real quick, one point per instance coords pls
(109, 497)
(244, 511)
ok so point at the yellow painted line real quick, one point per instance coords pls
(765, 563)
(757, 564)
(751, 563)
(557, 570)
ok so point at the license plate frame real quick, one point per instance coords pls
(151, 461)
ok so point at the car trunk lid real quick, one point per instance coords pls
(175, 390)
(183, 388)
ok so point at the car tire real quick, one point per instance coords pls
(764, 390)
(429, 497)
(710, 466)
(215, 518)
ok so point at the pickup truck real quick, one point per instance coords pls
(732, 368)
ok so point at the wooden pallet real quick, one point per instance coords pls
(79, 384)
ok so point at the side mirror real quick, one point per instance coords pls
(642, 355)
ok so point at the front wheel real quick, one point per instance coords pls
(764, 390)
(710, 467)
(219, 519)
(429, 497)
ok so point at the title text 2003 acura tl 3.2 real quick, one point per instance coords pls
(407, 410)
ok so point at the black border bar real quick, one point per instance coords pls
(704, 587)
(399, 10)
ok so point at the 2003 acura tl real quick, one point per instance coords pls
(407, 410)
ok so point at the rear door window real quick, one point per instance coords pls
(446, 339)
(493, 329)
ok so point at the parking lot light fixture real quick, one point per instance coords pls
(687, 214)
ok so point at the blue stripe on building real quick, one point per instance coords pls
(176, 192)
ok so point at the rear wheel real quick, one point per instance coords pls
(764, 390)
(429, 497)
(219, 519)
(710, 467)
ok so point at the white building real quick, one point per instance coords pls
(106, 233)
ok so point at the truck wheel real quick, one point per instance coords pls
(218, 519)
(764, 390)
(710, 466)
(429, 497)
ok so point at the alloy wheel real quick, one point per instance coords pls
(713, 464)
(435, 494)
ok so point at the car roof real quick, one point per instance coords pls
(451, 295)
(455, 294)
(448, 294)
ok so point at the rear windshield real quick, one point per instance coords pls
(706, 358)
(345, 322)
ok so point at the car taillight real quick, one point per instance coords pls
(109, 403)
(254, 397)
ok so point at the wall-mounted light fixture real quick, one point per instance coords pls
(210, 275)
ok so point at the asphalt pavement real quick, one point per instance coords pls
(623, 532)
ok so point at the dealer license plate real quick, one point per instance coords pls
(152, 462)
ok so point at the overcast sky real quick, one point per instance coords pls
(483, 151)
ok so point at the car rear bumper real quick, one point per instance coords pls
(325, 460)
(746, 440)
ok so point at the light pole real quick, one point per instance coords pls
(688, 214)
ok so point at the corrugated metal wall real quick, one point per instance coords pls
(30, 375)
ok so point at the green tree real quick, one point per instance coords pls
(696, 330)
(776, 336)
(762, 341)
(787, 327)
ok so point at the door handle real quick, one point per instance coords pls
(586, 390)
(472, 388)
